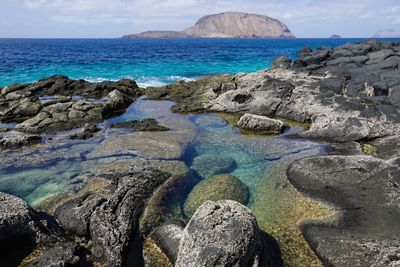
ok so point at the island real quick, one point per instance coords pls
(387, 33)
(335, 36)
(226, 25)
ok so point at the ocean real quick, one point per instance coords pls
(151, 62)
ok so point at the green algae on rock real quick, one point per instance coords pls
(218, 187)
(207, 165)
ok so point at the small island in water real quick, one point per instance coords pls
(226, 25)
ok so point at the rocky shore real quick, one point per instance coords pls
(348, 96)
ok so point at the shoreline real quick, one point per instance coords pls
(335, 90)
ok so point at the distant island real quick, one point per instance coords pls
(335, 36)
(387, 33)
(226, 25)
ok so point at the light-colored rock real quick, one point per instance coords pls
(223, 233)
(260, 123)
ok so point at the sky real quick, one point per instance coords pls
(114, 18)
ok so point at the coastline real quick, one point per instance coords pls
(339, 106)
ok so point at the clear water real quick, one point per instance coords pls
(148, 61)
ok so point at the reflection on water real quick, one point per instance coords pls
(260, 162)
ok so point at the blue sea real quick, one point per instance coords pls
(148, 61)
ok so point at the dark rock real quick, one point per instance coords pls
(333, 84)
(305, 51)
(114, 224)
(21, 230)
(282, 62)
(224, 233)
(87, 132)
(361, 187)
(18, 140)
(379, 56)
(144, 125)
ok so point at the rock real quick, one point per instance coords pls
(282, 62)
(366, 193)
(167, 236)
(207, 165)
(223, 233)
(144, 125)
(67, 254)
(379, 56)
(218, 187)
(114, 224)
(87, 132)
(337, 129)
(332, 84)
(21, 230)
(17, 140)
(260, 123)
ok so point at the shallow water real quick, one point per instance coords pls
(60, 164)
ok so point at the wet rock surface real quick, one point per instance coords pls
(224, 233)
(17, 140)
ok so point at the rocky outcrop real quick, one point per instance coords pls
(260, 123)
(346, 93)
(21, 230)
(59, 103)
(226, 25)
(366, 192)
(225, 233)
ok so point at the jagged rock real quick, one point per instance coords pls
(14, 141)
(21, 230)
(260, 123)
(218, 187)
(87, 132)
(114, 224)
(224, 233)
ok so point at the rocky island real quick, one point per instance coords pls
(138, 201)
(226, 25)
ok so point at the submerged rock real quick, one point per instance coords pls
(218, 187)
(207, 165)
(225, 233)
(260, 123)
(144, 125)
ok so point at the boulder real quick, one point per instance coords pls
(224, 233)
(21, 230)
(207, 165)
(167, 237)
(260, 123)
(218, 187)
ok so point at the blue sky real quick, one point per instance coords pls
(114, 18)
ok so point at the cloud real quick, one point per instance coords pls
(304, 17)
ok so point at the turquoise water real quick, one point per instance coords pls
(148, 61)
